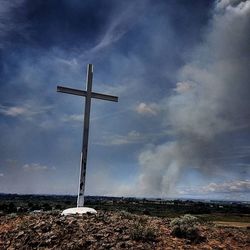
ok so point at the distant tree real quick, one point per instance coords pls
(30, 206)
(58, 206)
(46, 207)
(33, 207)
(4, 207)
(11, 208)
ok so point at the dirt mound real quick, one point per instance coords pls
(108, 230)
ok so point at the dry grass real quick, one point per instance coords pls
(232, 224)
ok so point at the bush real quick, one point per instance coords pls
(46, 207)
(141, 230)
(11, 208)
(186, 227)
(127, 215)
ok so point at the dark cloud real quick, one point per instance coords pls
(46, 24)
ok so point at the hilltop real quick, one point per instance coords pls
(111, 230)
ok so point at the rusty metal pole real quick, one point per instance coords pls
(83, 163)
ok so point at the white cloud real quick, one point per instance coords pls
(132, 137)
(73, 118)
(147, 109)
(235, 186)
(13, 111)
(26, 111)
(120, 24)
(232, 5)
(1, 175)
(113, 139)
(182, 87)
(36, 167)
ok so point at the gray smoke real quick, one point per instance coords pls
(208, 107)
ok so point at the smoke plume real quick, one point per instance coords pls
(208, 107)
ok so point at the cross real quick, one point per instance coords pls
(88, 94)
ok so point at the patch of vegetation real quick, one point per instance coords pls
(127, 215)
(186, 227)
(142, 230)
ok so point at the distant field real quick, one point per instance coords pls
(222, 212)
(232, 224)
(241, 218)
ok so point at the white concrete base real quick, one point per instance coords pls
(79, 210)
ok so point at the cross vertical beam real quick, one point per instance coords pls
(88, 94)
(84, 153)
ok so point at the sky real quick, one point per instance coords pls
(181, 128)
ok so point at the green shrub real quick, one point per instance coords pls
(186, 227)
(127, 215)
(141, 230)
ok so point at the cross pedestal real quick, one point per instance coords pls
(88, 94)
(79, 210)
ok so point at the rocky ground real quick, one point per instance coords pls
(110, 230)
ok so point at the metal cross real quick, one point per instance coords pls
(88, 95)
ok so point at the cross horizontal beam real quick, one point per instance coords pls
(84, 93)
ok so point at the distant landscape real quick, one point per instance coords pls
(231, 211)
(35, 222)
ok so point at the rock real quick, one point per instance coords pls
(20, 234)
(126, 237)
(99, 236)
(121, 245)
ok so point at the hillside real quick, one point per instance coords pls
(110, 230)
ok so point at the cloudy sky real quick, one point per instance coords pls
(181, 127)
